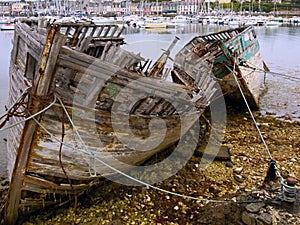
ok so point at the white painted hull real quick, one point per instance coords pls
(8, 26)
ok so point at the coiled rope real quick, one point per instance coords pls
(30, 117)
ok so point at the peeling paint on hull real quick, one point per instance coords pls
(234, 49)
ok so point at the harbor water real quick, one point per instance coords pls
(280, 48)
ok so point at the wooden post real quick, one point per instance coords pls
(157, 69)
(43, 81)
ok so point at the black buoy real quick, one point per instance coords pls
(271, 173)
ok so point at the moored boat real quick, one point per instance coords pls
(151, 25)
(7, 26)
(154, 23)
(82, 108)
(181, 19)
(234, 53)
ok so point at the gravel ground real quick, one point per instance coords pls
(230, 181)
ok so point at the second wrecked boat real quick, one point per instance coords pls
(232, 53)
(82, 108)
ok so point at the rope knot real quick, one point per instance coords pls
(92, 166)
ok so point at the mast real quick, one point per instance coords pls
(208, 7)
(157, 69)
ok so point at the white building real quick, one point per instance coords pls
(187, 8)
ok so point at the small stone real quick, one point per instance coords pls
(264, 219)
(238, 170)
(214, 189)
(176, 207)
(249, 218)
(254, 207)
(293, 160)
(229, 164)
(238, 178)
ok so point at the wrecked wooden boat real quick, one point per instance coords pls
(75, 98)
(233, 51)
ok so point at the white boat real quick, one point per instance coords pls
(102, 20)
(8, 26)
(250, 22)
(155, 22)
(261, 21)
(234, 23)
(272, 23)
(294, 20)
(4, 20)
(181, 19)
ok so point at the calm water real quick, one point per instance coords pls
(6, 45)
(280, 48)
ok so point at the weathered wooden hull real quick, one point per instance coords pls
(98, 95)
(252, 84)
(231, 50)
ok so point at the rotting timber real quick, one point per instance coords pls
(70, 84)
(232, 52)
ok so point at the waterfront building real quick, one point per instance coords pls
(20, 8)
(187, 8)
(5, 7)
(156, 8)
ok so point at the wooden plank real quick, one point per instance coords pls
(88, 65)
(43, 81)
(39, 181)
(34, 38)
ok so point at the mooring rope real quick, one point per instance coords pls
(31, 116)
(249, 110)
(93, 155)
(254, 67)
(147, 185)
(15, 102)
(291, 190)
(14, 109)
